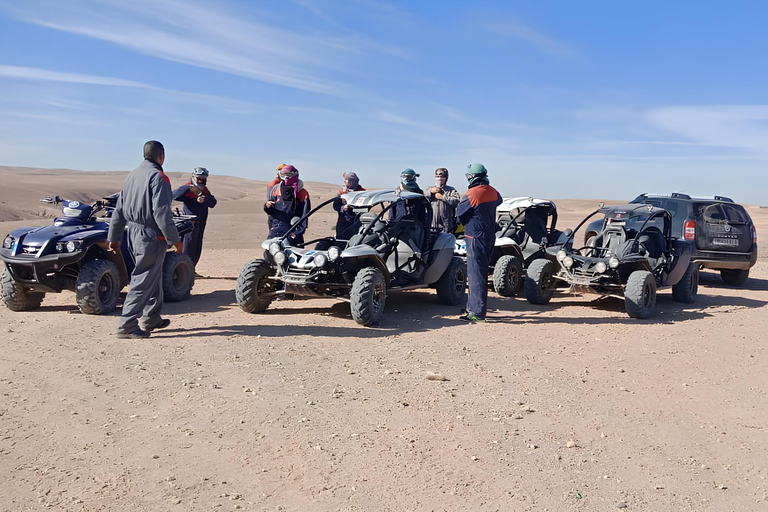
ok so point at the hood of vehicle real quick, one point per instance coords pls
(61, 232)
(515, 203)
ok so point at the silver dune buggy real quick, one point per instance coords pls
(389, 247)
(526, 227)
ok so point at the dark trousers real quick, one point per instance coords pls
(193, 241)
(478, 259)
(145, 296)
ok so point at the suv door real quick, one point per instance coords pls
(722, 227)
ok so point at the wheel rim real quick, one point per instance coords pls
(546, 277)
(180, 277)
(106, 288)
(459, 284)
(264, 286)
(647, 295)
(377, 298)
(512, 275)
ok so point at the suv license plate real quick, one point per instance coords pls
(727, 242)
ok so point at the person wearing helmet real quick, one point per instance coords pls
(407, 183)
(288, 200)
(197, 200)
(270, 186)
(347, 217)
(477, 212)
(444, 199)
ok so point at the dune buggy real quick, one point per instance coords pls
(526, 227)
(631, 256)
(391, 246)
(73, 254)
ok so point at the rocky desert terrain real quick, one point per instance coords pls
(567, 407)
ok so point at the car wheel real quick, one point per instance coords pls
(16, 297)
(452, 285)
(688, 286)
(508, 276)
(178, 277)
(640, 294)
(368, 296)
(98, 287)
(734, 277)
(254, 290)
(539, 282)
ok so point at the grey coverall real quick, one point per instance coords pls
(144, 209)
(444, 210)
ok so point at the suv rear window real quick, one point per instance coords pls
(715, 213)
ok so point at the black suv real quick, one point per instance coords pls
(725, 236)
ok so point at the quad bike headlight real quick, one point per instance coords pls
(613, 262)
(72, 246)
(600, 267)
(8, 242)
(567, 262)
(280, 258)
(334, 253)
(320, 260)
(274, 248)
(561, 255)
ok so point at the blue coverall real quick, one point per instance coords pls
(193, 242)
(477, 211)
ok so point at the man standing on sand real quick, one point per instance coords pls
(197, 201)
(444, 199)
(144, 209)
(477, 211)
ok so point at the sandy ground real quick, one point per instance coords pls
(570, 406)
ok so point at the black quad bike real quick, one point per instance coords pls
(391, 246)
(73, 254)
(526, 227)
(631, 256)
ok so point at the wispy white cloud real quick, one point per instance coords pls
(737, 126)
(206, 36)
(544, 42)
(28, 73)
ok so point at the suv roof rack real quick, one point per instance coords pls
(724, 199)
(675, 195)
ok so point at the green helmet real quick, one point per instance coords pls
(475, 169)
(476, 174)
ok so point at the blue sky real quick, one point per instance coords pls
(599, 99)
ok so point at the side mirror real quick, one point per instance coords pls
(295, 220)
(601, 205)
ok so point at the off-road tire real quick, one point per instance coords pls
(452, 285)
(248, 285)
(368, 296)
(508, 276)
(539, 286)
(734, 276)
(688, 287)
(16, 297)
(97, 289)
(178, 277)
(640, 294)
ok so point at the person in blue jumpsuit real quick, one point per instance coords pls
(288, 200)
(197, 201)
(477, 212)
(407, 183)
(144, 211)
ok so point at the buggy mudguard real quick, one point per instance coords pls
(681, 258)
(366, 252)
(440, 257)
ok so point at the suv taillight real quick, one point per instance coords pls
(754, 234)
(689, 232)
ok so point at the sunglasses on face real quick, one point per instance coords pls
(441, 175)
(408, 177)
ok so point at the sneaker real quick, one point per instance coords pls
(472, 318)
(133, 335)
(162, 324)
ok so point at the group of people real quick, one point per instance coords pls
(144, 211)
(288, 200)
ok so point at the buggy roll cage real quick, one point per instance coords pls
(552, 212)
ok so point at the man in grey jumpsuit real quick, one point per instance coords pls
(144, 209)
